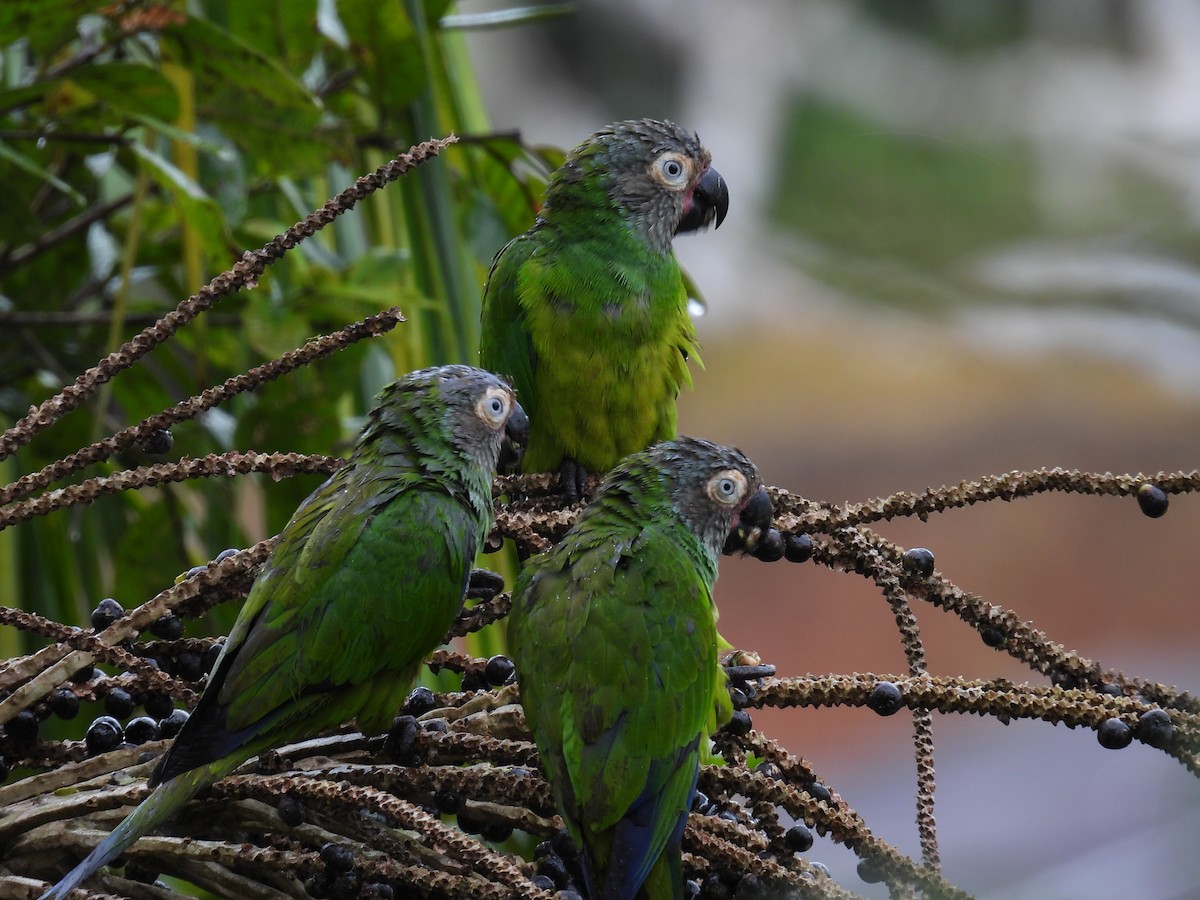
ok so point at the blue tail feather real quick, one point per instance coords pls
(162, 802)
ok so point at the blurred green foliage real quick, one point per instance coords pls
(142, 148)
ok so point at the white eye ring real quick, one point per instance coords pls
(494, 406)
(671, 169)
(727, 487)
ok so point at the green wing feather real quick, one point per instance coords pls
(366, 577)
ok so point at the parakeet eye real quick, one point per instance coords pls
(494, 407)
(671, 169)
(727, 487)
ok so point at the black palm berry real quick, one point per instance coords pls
(555, 869)
(169, 725)
(798, 838)
(435, 726)
(118, 703)
(447, 801)
(770, 546)
(402, 741)
(474, 681)
(291, 810)
(993, 637)
(1113, 690)
(168, 627)
(691, 889)
(158, 705)
(141, 729)
(64, 703)
(1113, 734)
(22, 728)
(768, 769)
(420, 701)
(1154, 728)
(543, 882)
(106, 612)
(377, 890)
(158, 442)
(885, 698)
(575, 895)
(347, 886)
(470, 824)
(797, 548)
(496, 832)
(563, 845)
(5, 768)
(337, 857)
(84, 675)
(699, 801)
(1153, 500)
(739, 724)
(190, 665)
(225, 554)
(499, 670)
(818, 791)
(870, 871)
(919, 561)
(103, 734)
(714, 888)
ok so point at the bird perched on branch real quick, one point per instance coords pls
(586, 312)
(363, 583)
(613, 632)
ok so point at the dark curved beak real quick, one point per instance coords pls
(516, 439)
(709, 203)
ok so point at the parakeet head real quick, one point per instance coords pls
(657, 174)
(472, 411)
(711, 488)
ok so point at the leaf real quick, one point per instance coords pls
(45, 24)
(255, 102)
(194, 205)
(285, 30)
(385, 45)
(129, 88)
(21, 161)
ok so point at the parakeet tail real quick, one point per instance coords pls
(161, 803)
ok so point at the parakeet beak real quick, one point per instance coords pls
(753, 522)
(708, 201)
(516, 438)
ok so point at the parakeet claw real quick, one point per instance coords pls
(574, 480)
(484, 584)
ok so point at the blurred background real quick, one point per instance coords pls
(962, 240)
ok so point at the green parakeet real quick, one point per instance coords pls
(586, 312)
(613, 632)
(364, 582)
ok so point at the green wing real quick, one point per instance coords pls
(505, 346)
(366, 579)
(617, 650)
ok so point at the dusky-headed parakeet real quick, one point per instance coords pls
(363, 583)
(613, 632)
(586, 312)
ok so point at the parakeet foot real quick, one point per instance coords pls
(574, 480)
